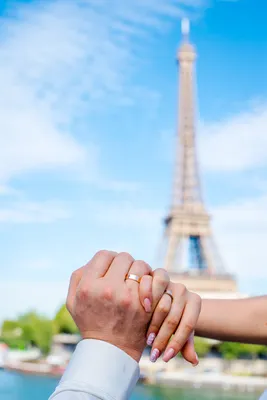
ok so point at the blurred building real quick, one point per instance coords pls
(189, 252)
(63, 346)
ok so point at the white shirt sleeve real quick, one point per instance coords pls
(98, 370)
(264, 396)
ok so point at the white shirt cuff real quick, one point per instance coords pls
(100, 369)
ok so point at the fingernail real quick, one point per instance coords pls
(151, 339)
(168, 355)
(147, 305)
(154, 355)
(196, 362)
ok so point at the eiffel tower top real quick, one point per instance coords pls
(186, 51)
(185, 27)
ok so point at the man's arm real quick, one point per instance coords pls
(98, 370)
(243, 320)
(264, 396)
(104, 303)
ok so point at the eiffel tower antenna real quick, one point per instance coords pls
(188, 234)
(185, 28)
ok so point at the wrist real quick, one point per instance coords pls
(133, 352)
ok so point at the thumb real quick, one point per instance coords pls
(189, 352)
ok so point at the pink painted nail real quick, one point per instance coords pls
(148, 305)
(154, 355)
(169, 354)
(151, 339)
(195, 364)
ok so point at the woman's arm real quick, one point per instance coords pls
(242, 320)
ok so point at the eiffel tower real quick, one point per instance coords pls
(190, 254)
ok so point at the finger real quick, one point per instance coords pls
(185, 329)
(74, 282)
(145, 292)
(189, 352)
(161, 281)
(162, 310)
(119, 267)
(171, 322)
(99, 265)
(140, 269)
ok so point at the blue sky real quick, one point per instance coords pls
(88, 119)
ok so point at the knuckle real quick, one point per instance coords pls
(161, 276)
(83, 293)
(160, 343)
(107, 293)
(102, 254)
(189, 327)
(125, 301)
(125, 256)
(74, 275)
(181, 289)
(143, 266)
(69, 306)
(197, 299)
(173, 322)
(163, 308)
(153, 328)
(176, 344)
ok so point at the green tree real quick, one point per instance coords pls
(64, 322)
(43, 334)
(232, 351)
(202, 346)
(30, 329)
(11, 334)
(10, 328)
(37, 330)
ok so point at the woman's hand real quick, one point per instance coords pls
(174, 318)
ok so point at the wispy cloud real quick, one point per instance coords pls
(126, 214)
(241, 229)
(7, 191)
(58, 60)
(236, 144)
(117, 186)
(20, 212)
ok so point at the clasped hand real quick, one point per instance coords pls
(106, 306)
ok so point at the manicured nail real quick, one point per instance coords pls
(154, 355)
(168, 355)
(148, 305)
(151, 339)
(196, 362)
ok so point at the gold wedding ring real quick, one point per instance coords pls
(132, 277)
(169, 293)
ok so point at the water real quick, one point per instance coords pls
(14, 386)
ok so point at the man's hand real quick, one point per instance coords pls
(106, 307)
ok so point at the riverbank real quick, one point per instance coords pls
(38, 369)
(209, 381)
(190, 378)
(211, 373)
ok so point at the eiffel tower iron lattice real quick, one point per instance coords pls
(188, 236)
